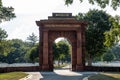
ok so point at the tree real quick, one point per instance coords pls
(113, 35)
(108, 56)
(115, 50)
(61, 51)
(17, 54)
(98, 24)
(32, 39)
(3, 34)
(34, 53)
(4, 44)
(102, 3)
(6, 13)
(55, 51)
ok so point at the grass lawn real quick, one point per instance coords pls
(12, 75)
(105, 76)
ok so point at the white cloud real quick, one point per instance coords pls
(32, 6)
(21, 27)
(28, 11)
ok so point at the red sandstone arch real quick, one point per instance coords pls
(61, 26)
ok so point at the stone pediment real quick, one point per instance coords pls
(61, 20)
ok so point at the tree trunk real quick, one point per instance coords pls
(58, 62)
(90, 60)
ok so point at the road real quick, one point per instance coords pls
(59, 75)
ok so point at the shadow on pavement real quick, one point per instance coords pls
(63, 75)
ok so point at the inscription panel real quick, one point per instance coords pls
(58, 25)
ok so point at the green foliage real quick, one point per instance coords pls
(17, 54)
(6, 13)
(61, 51)
(98, 24)
(113, 35)
(3, 34)
(17, 51)
(32, 39)
(0, 3)
(34, 53)
(115, 50)
(108, 56)
(102, 3)
(4, 44)
(5, 47)
(56, 51)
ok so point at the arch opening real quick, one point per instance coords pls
(62, 53)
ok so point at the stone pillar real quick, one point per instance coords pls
(45, 65)
(40, 47)
(83, 45)
(74, 56)
(79, 65)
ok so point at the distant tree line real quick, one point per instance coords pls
(18, 51)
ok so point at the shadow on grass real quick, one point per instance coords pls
(103, 77)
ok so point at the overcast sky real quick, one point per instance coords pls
(28, 11)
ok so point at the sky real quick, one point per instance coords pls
(29, 11)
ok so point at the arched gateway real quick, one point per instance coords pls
(61, 25)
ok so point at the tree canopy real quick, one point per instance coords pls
(6, 13)
(3, 34)
(4, 45)
(61, 51)
(102, 3)
(113, 35)
(32, 39)
(98, 24)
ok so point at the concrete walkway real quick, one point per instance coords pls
(59, 75)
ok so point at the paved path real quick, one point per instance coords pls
(59, 75)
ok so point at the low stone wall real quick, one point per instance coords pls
(11, 69)
(98, 68)
(37, 68)
(18, 64)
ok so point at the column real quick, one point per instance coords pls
(79, 65)
(74, 55)
(40, 47)
(83, 46)
(45, 65)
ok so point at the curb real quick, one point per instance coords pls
(26, 78)
(86, 78)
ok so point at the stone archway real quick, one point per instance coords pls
(61, 25)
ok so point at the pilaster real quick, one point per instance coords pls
(45, 65)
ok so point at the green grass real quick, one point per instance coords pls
(12, 75)
(105, 76)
